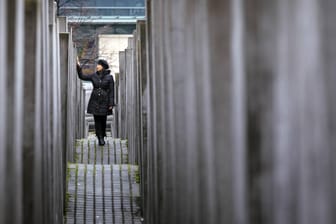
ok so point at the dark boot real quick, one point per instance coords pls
(101, 140)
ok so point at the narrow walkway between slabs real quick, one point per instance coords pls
(101, 186)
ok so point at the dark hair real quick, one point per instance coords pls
(103, 63)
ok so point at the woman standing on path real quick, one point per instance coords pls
(101, 101)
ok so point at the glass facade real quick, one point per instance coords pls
(104, 9)
(104, 3)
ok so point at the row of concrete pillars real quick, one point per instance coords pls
(229, 108)
(41, 111)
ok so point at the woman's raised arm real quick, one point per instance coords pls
(81, 75)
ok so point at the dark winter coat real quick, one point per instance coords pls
(102, 96)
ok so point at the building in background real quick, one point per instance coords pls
(109, 47)
(91, 18)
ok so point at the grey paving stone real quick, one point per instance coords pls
(105, 189)
(89, 152)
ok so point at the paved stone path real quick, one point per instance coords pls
(113, 152)
(101, 186)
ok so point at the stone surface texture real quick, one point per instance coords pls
(101, 186)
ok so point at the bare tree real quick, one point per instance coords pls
(84, 39)
(63, 4)
(85, 32)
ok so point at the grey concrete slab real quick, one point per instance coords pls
(3, 95)
(232, 112)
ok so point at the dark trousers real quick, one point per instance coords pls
(100, 125)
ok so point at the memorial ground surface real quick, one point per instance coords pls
(101, 186)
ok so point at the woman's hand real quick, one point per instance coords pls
(111, 107)
(77, 60)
